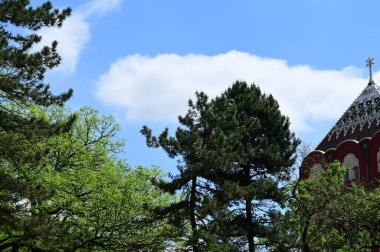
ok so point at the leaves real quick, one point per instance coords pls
(80, 195)
(335, 216)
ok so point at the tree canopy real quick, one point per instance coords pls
(236, 150)
(333, 215)
(80, 195)
(22, 88)
(22, 69)
(64, 185)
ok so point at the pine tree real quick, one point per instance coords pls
(22, 87)
(236, 149)
(259, 150)
(195, 179)
(22, 70)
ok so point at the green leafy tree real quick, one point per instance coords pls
(333, 215)
(81, 196)
(62, 188)
(285, 235)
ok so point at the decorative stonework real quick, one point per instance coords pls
(315, 170)
(351, 163)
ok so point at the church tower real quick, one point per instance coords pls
(354, 140)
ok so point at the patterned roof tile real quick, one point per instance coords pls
(360, 120)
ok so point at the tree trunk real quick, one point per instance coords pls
(194, 238)
(304, 244)
(248, 211)
(250, 238)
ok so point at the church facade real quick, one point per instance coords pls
(354, 140)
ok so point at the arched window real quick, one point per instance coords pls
(351, 163)
(315, 170)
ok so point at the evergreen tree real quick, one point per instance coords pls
(22, 70)
(236, 150)
(260, 151)
(22, 86)
(195, 179)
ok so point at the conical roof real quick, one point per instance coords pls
(361, 120)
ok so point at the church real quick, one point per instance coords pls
(354, 140)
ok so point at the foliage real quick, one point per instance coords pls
(22, 86)
(259, 151)
(197, 207)
(336, 216)
(235, 151)
(22, 69)
(80, 196)
(62, 185)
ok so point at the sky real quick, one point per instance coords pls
(141, 60)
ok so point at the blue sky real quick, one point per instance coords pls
(141, 60)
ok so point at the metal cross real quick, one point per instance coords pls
(369, 63)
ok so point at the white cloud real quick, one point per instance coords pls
(75, 32)
(72, 38)
(157, 88)
(98, 7)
